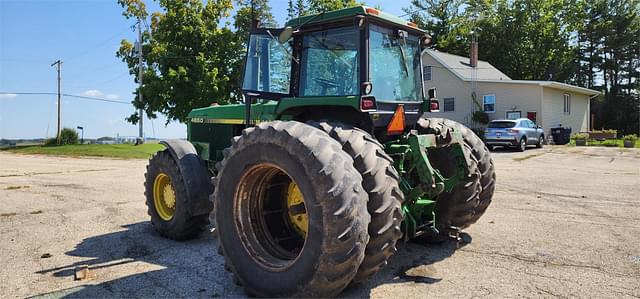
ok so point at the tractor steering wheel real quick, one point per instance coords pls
(325, 84)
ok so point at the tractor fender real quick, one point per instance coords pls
(196, 176)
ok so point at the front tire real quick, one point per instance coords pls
(167, 199)
(540, 142)
(470, 198)
(269, 249)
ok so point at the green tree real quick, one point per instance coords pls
(442, 20)
(291, 10)
(300, 8)
(318, 6)
(68, 136)
(190, 60)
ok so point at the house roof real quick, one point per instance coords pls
(459, 66)
(550, 84)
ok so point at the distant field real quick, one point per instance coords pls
(125, 151)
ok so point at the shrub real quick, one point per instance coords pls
(580, 136)
(631, 137)
(611, 143)
(50, 142)
(480, 117)
(608, 131)
(68, 136)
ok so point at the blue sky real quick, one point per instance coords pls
(85, 34)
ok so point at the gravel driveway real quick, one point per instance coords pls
(565, 222)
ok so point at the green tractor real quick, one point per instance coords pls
(327, 163)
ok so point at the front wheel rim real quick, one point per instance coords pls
(164, 197)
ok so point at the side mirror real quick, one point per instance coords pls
(366, 88)
(285, 35)
(432, 93)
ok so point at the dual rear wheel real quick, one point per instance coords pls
(303, 210)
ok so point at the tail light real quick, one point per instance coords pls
(368, 103)
(513, 130)
(396, 126)
(434, 106)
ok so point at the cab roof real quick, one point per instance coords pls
(352, 12)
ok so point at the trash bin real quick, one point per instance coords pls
(561, 135)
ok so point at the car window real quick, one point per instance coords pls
(531, 124)
(502, 124)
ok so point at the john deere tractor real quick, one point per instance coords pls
(331, 159)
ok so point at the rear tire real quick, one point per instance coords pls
(470, 198)
(272, 262)
(522, 145)
(167, 200)
(381, 181)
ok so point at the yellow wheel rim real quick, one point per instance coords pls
(164, 197)
(297, 210)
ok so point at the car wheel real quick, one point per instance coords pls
(540, 142)
(523, 145)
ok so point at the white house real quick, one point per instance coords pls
(547, 103)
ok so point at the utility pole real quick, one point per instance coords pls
(58, 65)
(140, 73)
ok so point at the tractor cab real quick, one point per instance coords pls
(359, 57)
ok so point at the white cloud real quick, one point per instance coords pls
(112, 96)
(8, 95)
(93, 93)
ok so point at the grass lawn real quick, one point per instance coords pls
(125, 151)
(611, 142)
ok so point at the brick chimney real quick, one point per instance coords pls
(473, 56)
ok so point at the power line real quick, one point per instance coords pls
(99, 45)
(101, 83)
(67, 95)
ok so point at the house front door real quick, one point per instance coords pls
(532, 116)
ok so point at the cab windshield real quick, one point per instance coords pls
(394, 65)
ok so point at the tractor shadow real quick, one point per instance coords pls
(137, 262)
(413, 263)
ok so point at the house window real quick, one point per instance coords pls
(514, 114)
(426, 72)
(567, 103)
(449, 104)
(489, 103)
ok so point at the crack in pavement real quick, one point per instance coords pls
(572, 214)
(549, 292)
(549, 263)
(52, 172)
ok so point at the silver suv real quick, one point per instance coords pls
(516, 133)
